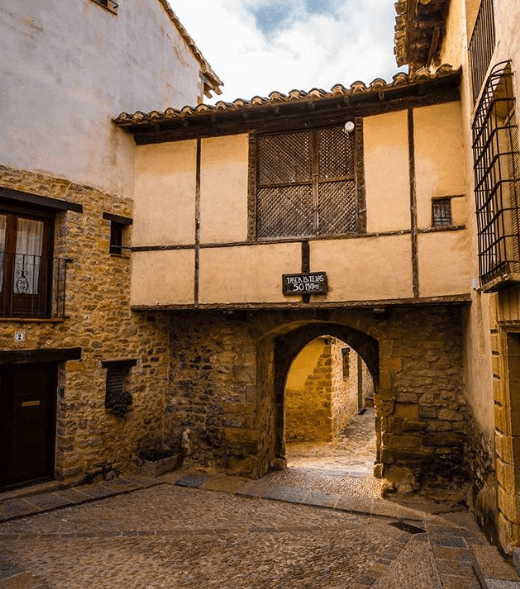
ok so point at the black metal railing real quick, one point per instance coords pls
(482, 45)
(497, 180)
(32, 286)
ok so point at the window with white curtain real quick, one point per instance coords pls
(25, 262)
(28, 253)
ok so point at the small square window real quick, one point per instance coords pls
(110, 4)
(346, 363)
(117, 231)
(117, 397)
(116, 238)
(441, 212)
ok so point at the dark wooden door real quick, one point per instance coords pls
(27, 416)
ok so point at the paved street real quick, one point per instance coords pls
(317, 525)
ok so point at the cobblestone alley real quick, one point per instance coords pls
(318, 524)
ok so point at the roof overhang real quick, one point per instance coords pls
(419, 30)
(297, 109)
(210, 79)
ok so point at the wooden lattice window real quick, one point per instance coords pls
(482, 45)
(497, 180)
(306, 183)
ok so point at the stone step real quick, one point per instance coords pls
(492, 570)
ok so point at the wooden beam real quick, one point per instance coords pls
(40, 201)
(39, 355)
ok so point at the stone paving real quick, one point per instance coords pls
(197, 530)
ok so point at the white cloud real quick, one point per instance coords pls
(311, 50)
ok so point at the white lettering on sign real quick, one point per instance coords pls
(305, 283)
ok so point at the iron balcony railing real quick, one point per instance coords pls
(32, 286)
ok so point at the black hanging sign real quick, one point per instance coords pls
(311, 283)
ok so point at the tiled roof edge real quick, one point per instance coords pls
(415, 24)
(378, 85)
(400, 32)
(206, 69)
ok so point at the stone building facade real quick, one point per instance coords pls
(83, 378)
(357, 188)
(197, 250)
(480, 37)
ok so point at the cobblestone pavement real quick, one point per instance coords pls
(344, 466)
(195, 530)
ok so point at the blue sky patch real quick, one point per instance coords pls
(272, 16)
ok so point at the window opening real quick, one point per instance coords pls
(441, 212)
(116, 238)
(110, 4)
(346, 362)
(32, 282)
(306, 184)
(117, 397)
(117, 232)
(482, 45)
(497, 188)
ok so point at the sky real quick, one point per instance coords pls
(258, 46)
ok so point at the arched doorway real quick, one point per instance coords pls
(329, 410)
(327, 385)
(289, 345)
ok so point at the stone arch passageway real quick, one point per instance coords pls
(325, 377)
(320, 416)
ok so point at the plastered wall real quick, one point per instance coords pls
(227, 266)
(68, 68)
(386, 157)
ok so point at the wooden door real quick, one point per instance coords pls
(27, 416)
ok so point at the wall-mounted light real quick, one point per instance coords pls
(349, 127)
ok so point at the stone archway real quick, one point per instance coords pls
(288, 345)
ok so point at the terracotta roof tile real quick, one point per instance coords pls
(378, 85)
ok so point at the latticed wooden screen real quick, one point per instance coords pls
(306, 184)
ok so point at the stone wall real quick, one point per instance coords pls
(228, 375)
(308, 405)
(90, 440)
(344, 386)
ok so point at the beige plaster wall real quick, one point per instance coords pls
(364, 269)
(223, 189)
(304, 364)
(439, 156)
(165, 194)
(443, 263)
(162, 278)
(386, 172)
(247, 274)
(455, 36)
(68, 68)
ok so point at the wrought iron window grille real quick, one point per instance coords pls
(482, 45)
(497, 180)
(306, 184)
(441, 212)
(32, 287)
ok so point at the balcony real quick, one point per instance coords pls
(32, 287)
